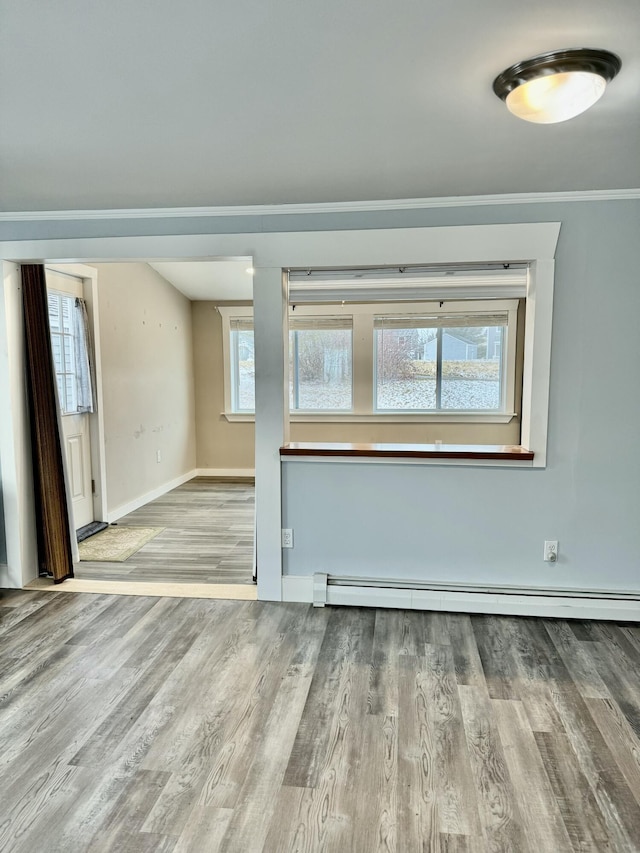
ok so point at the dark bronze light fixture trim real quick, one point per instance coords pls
(600, 62)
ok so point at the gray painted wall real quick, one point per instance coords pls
(407, 218)
(489, 525)
(484, 524)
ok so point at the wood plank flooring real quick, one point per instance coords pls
(208, 537)
(136, 724)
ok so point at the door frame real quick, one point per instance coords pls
(15, 436)
(89, 277)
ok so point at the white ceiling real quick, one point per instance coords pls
(216, 280)
(121, 104)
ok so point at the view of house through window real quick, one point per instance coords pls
(439, 363)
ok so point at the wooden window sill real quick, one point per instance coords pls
(407, 451)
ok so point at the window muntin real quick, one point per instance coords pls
(440, 363)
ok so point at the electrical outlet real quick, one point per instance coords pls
(551, 550)
(158, 456)
(287, 537)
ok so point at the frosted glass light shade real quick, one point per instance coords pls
(556, 97)
(558, 85)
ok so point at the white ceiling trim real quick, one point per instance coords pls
(322, 207)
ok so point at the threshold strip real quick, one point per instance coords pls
(229, 591)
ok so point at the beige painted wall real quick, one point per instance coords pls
(220, 444)
(231, 445)
(147, 380)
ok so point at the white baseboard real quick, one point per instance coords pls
(225, 472)
(300, 588)
(297, 588)
(136, 503)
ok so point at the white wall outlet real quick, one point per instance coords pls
(287, 537)
(551, 550)
(158, 456)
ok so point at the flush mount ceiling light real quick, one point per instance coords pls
(556, 86)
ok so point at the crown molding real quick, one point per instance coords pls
(321, 207)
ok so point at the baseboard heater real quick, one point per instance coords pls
(435, 586)
(509, 600)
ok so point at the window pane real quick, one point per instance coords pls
(320, 369)
(70, 389)
(243, 367)
(69, 354)
(61, 396)
(406, 368)
(67, 313)
(56, 346)
(472, 368)
(54, 312)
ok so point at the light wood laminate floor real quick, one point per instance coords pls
(208, 537)
(135, 724)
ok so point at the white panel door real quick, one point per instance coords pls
(75, 426)
(75, 430)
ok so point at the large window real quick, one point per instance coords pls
(450, 361)
(320, 359)
(320, 362)
(242, 365)
(439, 363)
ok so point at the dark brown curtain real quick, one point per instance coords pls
(52, 515)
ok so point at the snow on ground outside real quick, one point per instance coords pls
(398, 394)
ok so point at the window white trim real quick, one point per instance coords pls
(381, 417)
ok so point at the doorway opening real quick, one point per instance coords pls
(173, 488)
